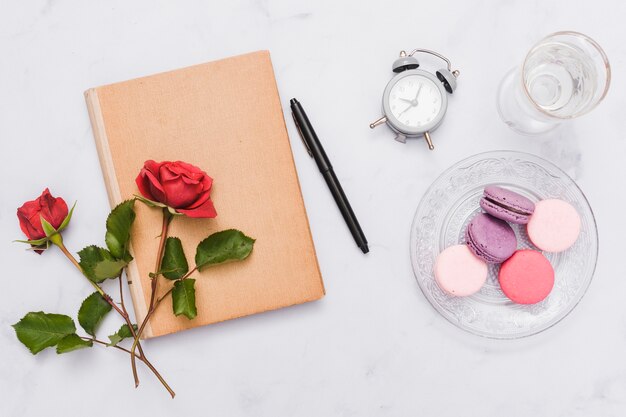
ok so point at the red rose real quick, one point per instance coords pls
(179, 185)
(54, 210)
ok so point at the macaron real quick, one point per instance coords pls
(458, 272)
(526, 277)
(492, 240)
(506, 205)
(554, 226)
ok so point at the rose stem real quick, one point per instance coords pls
(167, 218)
(172, 288)
(158, 301)
(141, 358)
(130, 326)
(58, 241)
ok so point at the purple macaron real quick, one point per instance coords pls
(492, 240)
(507, 205)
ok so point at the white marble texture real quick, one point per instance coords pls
(373, 346)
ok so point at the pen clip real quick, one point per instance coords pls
(301, 136)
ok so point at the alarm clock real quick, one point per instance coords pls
(415, 101)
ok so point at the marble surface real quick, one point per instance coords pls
(373, 346)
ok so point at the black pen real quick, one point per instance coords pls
(316, 151)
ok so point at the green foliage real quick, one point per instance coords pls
(40, 330)
(67, 219)
(227, 245)
(48, 229)
(98, 264)
(173, 211)
(35, 242)
(72, 342)
(92, 311)
(149, 203)
(184, 298)
(121, 334)
(118, 226)
(174, 263)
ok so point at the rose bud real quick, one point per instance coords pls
(51, 209)
(178, 185)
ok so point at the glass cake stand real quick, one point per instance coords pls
(440, 221)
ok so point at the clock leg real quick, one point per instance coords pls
(378, 122)
(400, 138)
(429, 141)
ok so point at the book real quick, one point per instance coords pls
(226, 118)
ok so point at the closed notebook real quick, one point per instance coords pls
(226, 118)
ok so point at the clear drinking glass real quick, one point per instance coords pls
(563, 76)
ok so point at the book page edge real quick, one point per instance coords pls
(115, 197)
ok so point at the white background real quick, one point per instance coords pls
(373, 346)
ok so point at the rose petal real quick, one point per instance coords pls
(153, 166)
(166, 174)
(179, 194)
(189, 173)
(190, 181)
(207, 182)
(30, 208)
(206, 210)
(184, 167)
(54, 210)
(144, 185)
(148, 181)
(155, 187)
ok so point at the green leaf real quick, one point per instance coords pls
(174, 264)
(99, 264)
(227, 245)
(121, 334)
(119, 223)
(149, 203)
(92, 311)
(40, 330)
(67, 219)
(72, 342)
(184, 298)
(37, 242)
(173, 211)
(48, 229)
(43, 247)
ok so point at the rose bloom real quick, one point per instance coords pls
(54, 210)
(179, 185)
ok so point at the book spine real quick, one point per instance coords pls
(115, 197)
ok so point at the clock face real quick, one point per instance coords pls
(415, 101)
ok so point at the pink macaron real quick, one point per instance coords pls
(554, 226)
(527, 277)
(458, 272)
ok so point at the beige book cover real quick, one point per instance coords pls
(226, 118)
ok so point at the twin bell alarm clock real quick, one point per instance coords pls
(415, 101)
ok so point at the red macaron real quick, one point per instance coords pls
(527, 277)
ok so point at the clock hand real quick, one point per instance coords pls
(403, 111)
(406, 99)
(418, 91)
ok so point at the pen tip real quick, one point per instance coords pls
(293, 101)
(365, 248)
